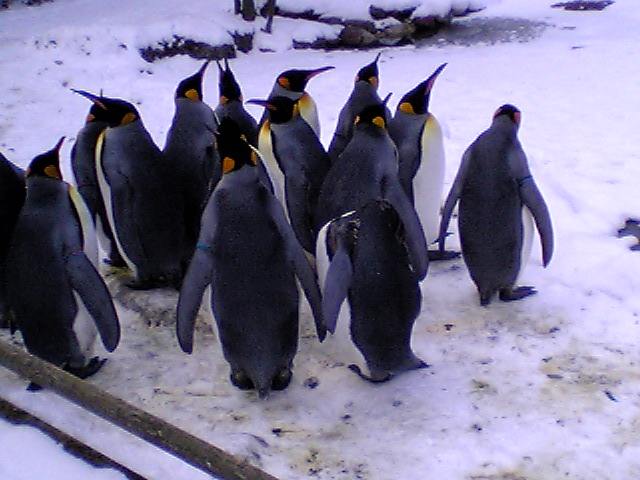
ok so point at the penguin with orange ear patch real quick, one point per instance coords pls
(418, 136)
(142, 199)
(364, 93)
(191, 154)
(12, 192)
(56, 294)
(248, 253)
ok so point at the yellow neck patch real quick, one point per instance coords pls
(128, 118)
(296, 110)
(284, 82)
(379, 121)
(406, 107)
(192, 94)
(53, 172)
(228, 164)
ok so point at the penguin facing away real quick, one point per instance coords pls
(368, 170)
(497, 194)
(190, 152)
(249, 254)
(297, 161)
(142, 198)
(418, 136)
(292, 84)
(56, 293)
(12, 193)
(370, 265)
(83, 166)
(364, 93)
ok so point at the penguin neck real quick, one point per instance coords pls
(280, 91)
(371, 130)
(43, 190)
(243, 176)
(505, 125)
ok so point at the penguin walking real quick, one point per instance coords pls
(368, 170)
(56, 294)
(12, 193)
(418, 137)
(141, 196)
(497, 196)
(364, 93)
(83, 166)
(298, 162)
(190, 152)
(249, 254)
(292, 84)
(370, 265)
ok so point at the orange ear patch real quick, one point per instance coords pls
(53, 172)
(406, 107)
(228, 164)
(192, 94)
(128, 118)
(223, 100)
(254, 158)
(379, 121)
(373, 81)
(284, 82)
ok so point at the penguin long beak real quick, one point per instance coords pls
(59, 144)
(94, 98)
(432, 79)
(386, 99)
(263, 103)
(318, 71)
(203, 68)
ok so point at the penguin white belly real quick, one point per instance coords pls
(105, 192)
(322, 258)
(309, 112)
(527, 239)
(103, 240)
(84, 329)
(428, 181)
(89, 238)
(265, 146)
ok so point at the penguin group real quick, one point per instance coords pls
(259, 211)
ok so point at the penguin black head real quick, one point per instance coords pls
(46, 164)
(296, 80)
(280, 109)
(369, 73)
(229, 88)
(114, 111)
(96, 114)
(191, 87)
(233, 147)
(417, 100)
(374, 114)
(510, 111)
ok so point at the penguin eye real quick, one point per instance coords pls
(228, 164)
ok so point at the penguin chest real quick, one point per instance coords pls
(429, 178)
(309, 112)
(276, 175)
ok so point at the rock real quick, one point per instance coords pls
(352, 36)
(582, 5)
(184, 46)
(378, 13)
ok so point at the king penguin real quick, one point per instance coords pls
(292, 84)
(142, 197)
(56, 294)
(298, 162)
(364, 93)
(418, 137)
(367, 170)
(190, 152)
(370, 266)
(249, 254)
(12, 193)
(497, 196)
(83, 166)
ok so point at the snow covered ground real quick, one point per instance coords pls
(546, 388)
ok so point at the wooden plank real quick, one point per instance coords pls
(150, 428)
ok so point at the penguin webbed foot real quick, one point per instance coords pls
(91, 368)
(377, 376)
(240, 380)
(282, 379)
(440, 255)
(513, 294)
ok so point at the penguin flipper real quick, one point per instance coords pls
(532, 199)
(86, 280)
(452, 198)
(301, 265)
(195, 281)
(416, 241)
(299, 211)
(336, 286)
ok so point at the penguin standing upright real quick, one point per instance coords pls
(12, 192)
(298, 163)
(249, 254)
(292, 84)
(191, 154)
(496, 190)
(364, 93)
(368, 170)
(418, 136)
(83, 166)
(141, 195)
(370, 265)
(56, 294)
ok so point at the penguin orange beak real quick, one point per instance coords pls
(263, 103)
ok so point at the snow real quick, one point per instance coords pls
(543, 388)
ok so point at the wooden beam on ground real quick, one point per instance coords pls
(150, 428)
